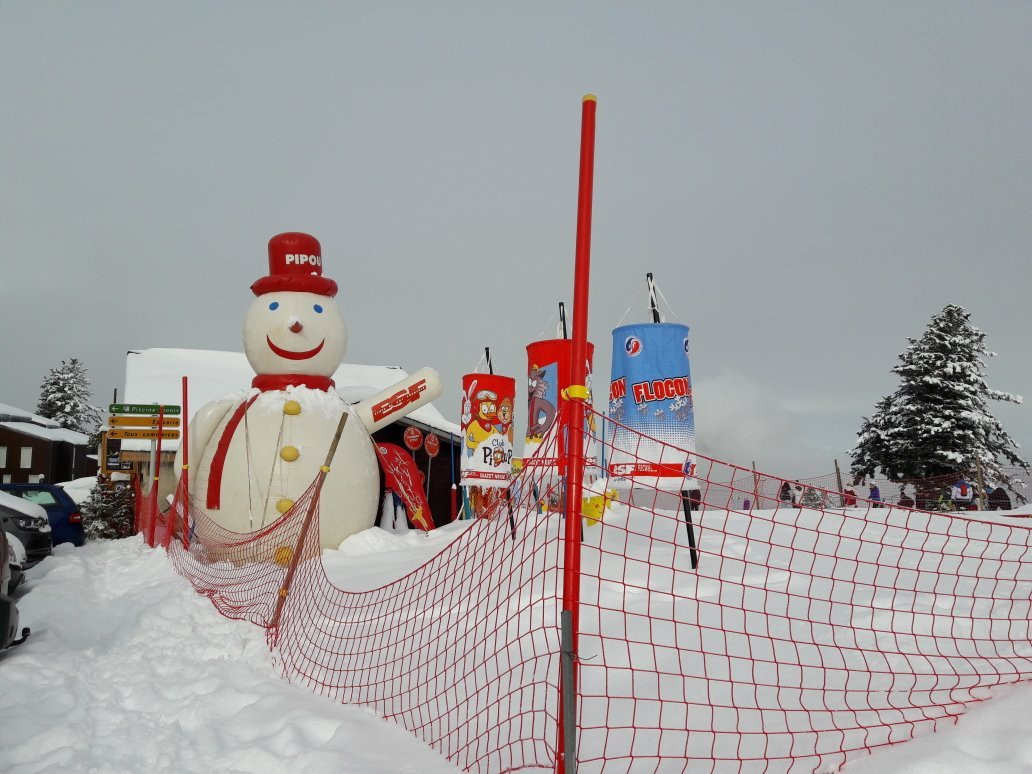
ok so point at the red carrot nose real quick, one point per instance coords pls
(296, 327)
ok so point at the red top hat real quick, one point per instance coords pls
(295, 264)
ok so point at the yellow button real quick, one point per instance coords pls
(284, 504)
(292, 407)
(289, 453)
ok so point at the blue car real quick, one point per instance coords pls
(65, 517)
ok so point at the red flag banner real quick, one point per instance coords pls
(403, 477)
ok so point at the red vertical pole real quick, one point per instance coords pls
(577, 394)
(184, 439)
(157, 474)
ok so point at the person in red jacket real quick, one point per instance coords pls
(849, 497)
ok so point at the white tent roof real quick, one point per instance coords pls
(155, 376)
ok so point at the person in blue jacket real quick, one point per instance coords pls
(875, 496)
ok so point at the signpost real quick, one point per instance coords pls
(413, 438)
(142, 421)
(143, 408)
(145, 434)
(112, 457)
(139, 421)
(432, 444)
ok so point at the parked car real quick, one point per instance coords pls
(9, 634)
(16, 560)
(30, 524)
(65, 517)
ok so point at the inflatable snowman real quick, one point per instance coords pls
(257, 452)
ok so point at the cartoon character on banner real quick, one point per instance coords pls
(482, 427)
(259, 450)
(504, 419)
(540, 400)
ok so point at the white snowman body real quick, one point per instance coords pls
(259, 483)
(257, 451)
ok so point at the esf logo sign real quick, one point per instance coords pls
(300, 259)
(632, 346)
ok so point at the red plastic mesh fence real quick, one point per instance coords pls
(462, 651)
(804, 637)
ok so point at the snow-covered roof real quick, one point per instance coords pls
(13, 414)
(48, 433)
(155, 376)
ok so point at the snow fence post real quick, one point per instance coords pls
(156, 473)
(185, 441)
(576, 395)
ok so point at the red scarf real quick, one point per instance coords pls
(269, 382)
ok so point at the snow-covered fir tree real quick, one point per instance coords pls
(811, 498)
(109, 511)
(938, 421)
(65, 396)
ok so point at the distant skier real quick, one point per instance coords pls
(905, 501)
(999, 500)
(849, 497)
(874, 495)
(962, 496)
(785, 493)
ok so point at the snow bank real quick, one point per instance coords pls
(79, 488)
(991, 738)
(129, 670)
(375, 557)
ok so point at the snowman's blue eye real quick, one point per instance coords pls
(318, 309)
(274, 305)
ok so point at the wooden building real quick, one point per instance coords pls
(33, 448)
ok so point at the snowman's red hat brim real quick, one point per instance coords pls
(296, 283)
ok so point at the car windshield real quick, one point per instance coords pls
(40, 498)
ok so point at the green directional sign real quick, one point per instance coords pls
(141, 408)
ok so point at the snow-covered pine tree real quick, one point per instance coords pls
(65, 396)
(938, 421)
(109, 511)
(872, 447)
(811, 498)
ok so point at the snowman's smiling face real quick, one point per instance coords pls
(294, 333)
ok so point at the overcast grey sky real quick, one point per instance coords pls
(808, 181)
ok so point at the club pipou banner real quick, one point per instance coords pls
(549, 372)
(487, 412)
(651, 393)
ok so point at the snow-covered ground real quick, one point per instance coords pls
(128, 670)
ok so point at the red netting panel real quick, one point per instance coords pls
(805, 637)
(242, 574)
(462, 651)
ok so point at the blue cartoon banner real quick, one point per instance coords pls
(652, 435)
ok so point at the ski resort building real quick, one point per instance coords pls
(34, 448)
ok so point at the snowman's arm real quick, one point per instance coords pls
(399, 399)
(202, 426)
